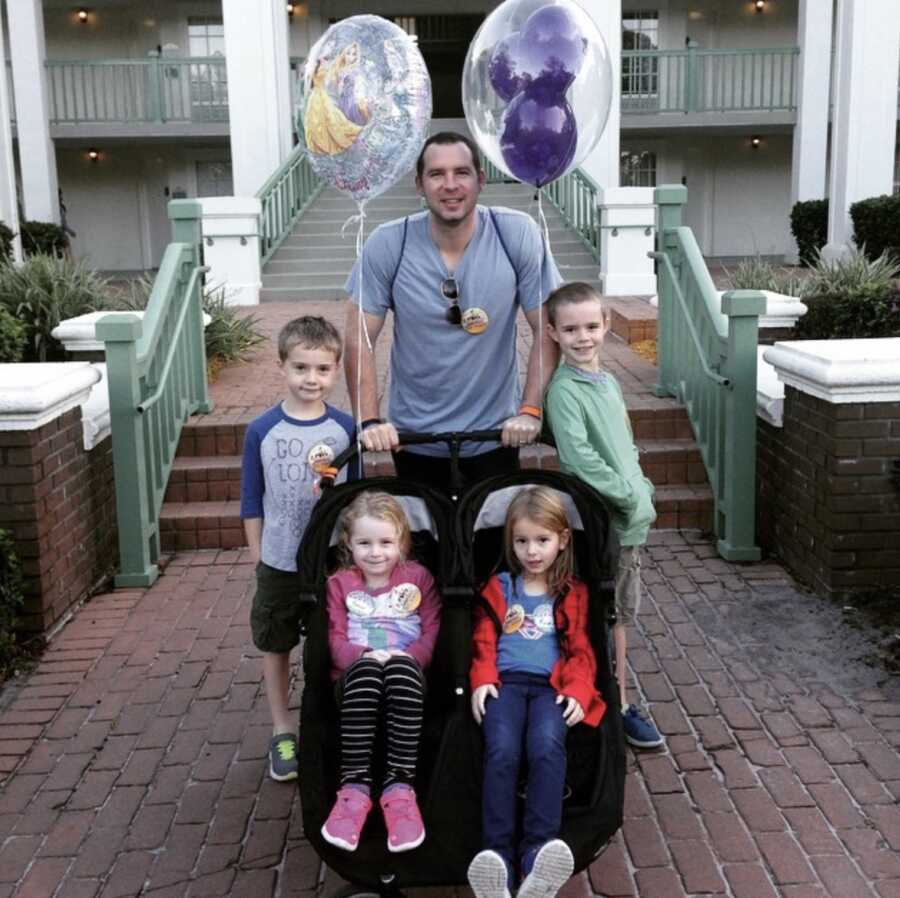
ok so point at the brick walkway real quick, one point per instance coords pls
(134, 754)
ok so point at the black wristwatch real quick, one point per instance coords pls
(369, 422)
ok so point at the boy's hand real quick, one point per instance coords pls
(380, 655)
(520, 430)
(479, 697)
(380, 437)
(573, 712)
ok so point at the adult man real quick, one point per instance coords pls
(454, 277)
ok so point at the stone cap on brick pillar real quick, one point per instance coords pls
(35, 393)
(840, 371)
(79, 334)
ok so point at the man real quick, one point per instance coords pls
(454, 277)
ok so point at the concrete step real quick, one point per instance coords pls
(303, 294)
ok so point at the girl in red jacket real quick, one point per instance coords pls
(533, 673)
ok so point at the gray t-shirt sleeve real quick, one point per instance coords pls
(535, 266)
(377, 265)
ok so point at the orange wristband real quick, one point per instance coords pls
(532, 410)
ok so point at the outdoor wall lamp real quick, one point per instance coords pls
(290, 9)
(82, 14)
(760, 5)
(93, 154)
(755, 142)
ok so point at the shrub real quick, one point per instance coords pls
(47, 290)
(44, 238)
(11, 602)
(6, 239)
(12, 338)
(850, 298)
(876, 225)
(809, 225)
(755, 274)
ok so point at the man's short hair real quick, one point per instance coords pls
(312, 332)
(446, 138)
(570, 294)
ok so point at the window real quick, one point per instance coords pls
(214, 179)
(209, 81)
(637, 168)
(640, 65)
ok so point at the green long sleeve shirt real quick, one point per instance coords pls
(595, 442)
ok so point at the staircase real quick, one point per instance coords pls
(202, 509)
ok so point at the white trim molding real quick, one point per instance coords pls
(769, 391)
(840, 371)
(34, 393)
(79, 334)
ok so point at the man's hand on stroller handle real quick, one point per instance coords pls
(573, 712)
(479, 697)
(379, 436)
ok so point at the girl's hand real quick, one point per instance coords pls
(479, 697)
(399, 653)
(573, 712)
(380, 655)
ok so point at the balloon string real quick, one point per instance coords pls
(362, 329)
(545, 237)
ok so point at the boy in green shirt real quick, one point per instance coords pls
(586, 412)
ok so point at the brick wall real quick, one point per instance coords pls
(59, 503)
(825, 503)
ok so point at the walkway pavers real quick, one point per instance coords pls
(135, 752)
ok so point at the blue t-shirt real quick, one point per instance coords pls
(443, 378)
(528, 641)
(279, 477)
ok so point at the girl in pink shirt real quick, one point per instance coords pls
(383, 620)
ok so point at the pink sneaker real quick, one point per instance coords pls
(402, 818)
(347, 818)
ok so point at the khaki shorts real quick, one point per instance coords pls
(628, 584)
(275, 615)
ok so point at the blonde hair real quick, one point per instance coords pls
(543, 507)
(380, 506)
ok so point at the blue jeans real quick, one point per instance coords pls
(524, 718)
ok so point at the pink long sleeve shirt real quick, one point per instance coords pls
(403, 615)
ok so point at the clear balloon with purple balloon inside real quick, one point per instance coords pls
(537, 87)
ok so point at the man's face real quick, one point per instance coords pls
(449, 183)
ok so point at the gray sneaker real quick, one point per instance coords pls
(283, 757)
(488, 875)
(553, 865)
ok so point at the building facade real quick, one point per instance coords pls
(117, 107)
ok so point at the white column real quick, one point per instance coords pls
(259, 101)
(865, 111)
(9, 212)
(37, 155)
(627, 219)
(603, 163)
(231, 247)
(811, 131)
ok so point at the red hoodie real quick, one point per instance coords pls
(573, 675)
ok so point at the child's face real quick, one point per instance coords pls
(579, 330)
(537, 547)
(375, 547)
(309, 375)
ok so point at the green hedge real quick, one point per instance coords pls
(6, 238)
(13, 338)
(876, 225)
(871, 311)
(43, 238)
(809, 225)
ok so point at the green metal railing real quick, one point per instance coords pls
(694, 80)
(156, 371)
(155, 89)
(574, 195)
(284, 197)
(706, 356)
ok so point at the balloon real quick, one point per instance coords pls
(367, 105)
(539, 137)
(537, 71)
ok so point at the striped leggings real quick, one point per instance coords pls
(398, 689)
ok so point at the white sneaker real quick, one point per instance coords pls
(488, 876)
(553, 865)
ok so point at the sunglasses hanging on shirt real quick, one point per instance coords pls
(473, 321)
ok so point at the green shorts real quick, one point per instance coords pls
(275, 615)
(628, 584)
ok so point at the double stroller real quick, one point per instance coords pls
(462, 545)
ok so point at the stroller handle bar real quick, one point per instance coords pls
(453, 439)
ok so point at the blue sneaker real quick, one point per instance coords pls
(639, 731)
(283, 757)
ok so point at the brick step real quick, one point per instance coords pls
(217, 478)
(632, 319)
(217, 525)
